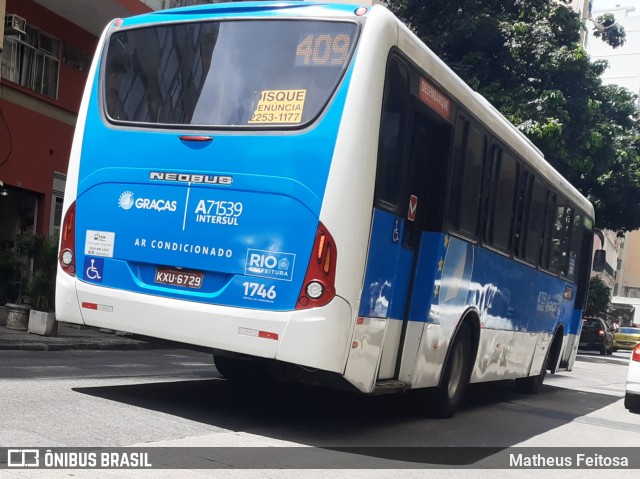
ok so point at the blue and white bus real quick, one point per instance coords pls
(309, 191)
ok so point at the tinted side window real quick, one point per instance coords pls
(467, 176)
(565, 241)
(504, 194)
(548, 246)
(535, 231)
(392, 136)
(558, 239)
(575, 246)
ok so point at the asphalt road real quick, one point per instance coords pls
(175, 398)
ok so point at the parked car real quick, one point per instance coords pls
(626, 338)
(596, 335)
(632, 395)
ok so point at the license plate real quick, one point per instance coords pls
(179, 277)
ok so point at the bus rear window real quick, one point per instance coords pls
(251, 74)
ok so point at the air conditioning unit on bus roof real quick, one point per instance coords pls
(14, 25)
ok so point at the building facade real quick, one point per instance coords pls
(624, 61)
(46, 47)
(624, 70)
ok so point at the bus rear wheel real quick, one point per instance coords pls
(242, 370)
(532, 384)
(446, 399)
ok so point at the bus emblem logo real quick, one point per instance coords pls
(269, 264)
(126, 200)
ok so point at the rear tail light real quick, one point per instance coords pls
(636, 353)
(67, 255)
(318, 288)
(600, 332)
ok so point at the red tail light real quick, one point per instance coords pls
(636, 353)
(318, 288)
(600, 332)
(67, 255)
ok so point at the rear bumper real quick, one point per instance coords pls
(624, 344)
(591, 346)
(316, 338)
(633, 378)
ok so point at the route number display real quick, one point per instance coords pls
(323, 49)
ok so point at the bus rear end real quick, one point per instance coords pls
(198, 170)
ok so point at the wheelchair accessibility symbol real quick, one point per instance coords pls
(93, 268)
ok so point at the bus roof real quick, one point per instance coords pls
(247, 9)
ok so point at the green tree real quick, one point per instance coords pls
(606, 28)
(526, 59)
(599, 297)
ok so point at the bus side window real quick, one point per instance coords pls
(393, 127)
(574, 246)
(522, 214)
(565, 241)
(468, 163)
(547, 243)
(558, 239)
(503, 193)
(535, 229)
(428, 157)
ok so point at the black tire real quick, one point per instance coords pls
(609, 351)
(231, 368)
(446, 399)
(244, 371)
(632, 402)
(603, 350)
(533, 384)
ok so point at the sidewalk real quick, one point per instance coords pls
(71, 336)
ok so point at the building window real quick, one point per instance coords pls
(32, 60)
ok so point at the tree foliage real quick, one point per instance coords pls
(599, 297)
(606, 28)
(525, 57)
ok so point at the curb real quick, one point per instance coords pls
(106, 343)
(81, 345)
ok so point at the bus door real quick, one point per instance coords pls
(395, 256)
(423, 212)
(410, 189)
(389, 264)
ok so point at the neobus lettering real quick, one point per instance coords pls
(191, 178)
